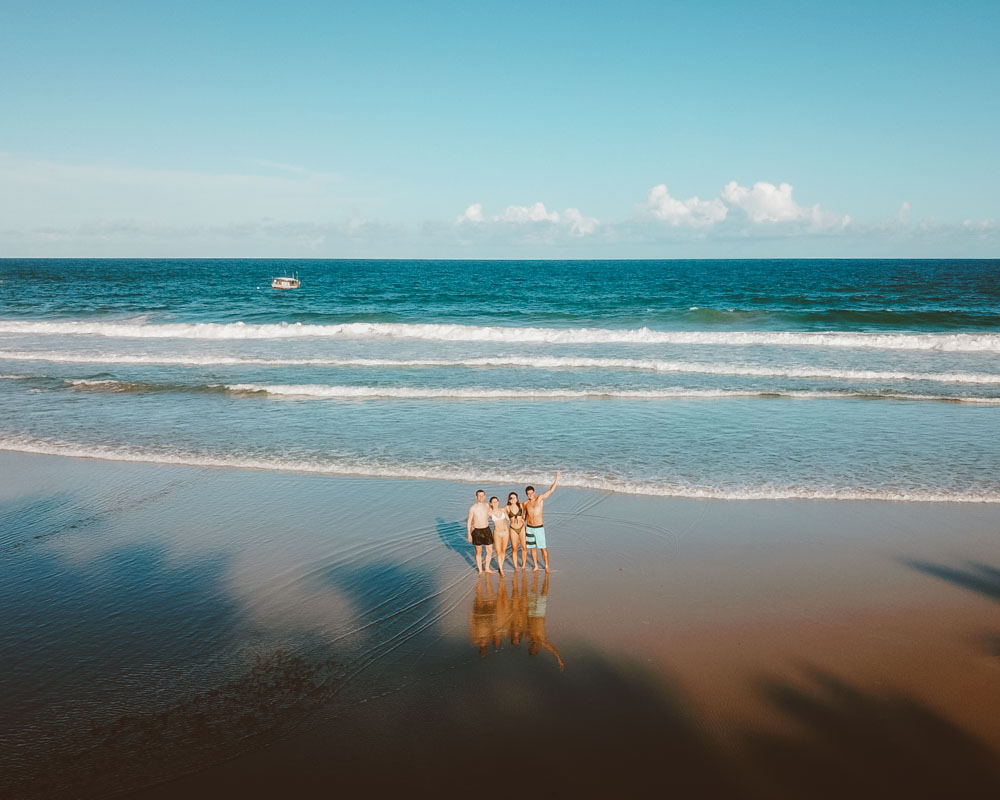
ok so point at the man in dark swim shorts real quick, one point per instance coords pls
(479, 532)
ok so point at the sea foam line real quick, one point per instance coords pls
(487, 393)
(457, 475)
(951, 342)
(527, 362)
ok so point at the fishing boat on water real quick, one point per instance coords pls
(286, 282)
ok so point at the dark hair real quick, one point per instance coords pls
(480, 491)
(494, 498)
(529, 489)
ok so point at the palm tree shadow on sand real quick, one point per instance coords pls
(976, 577)
(861, 743)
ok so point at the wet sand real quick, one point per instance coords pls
(172, 631)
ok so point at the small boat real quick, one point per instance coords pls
(286, 282)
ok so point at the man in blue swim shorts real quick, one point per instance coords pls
(535, 524)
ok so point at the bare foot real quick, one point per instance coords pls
(488, 570)
(546, 569)
(535, 568)
(502, 573)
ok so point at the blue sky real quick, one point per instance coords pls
(501, 130)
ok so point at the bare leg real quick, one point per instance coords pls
(500, 545)
(524, 547)
(489, 557)
(479, 558)
(545, 557)
(534, 558)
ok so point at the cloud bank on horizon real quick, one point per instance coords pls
(121, 211)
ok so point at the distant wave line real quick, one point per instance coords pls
(950, 342)
(458, 475)
(528, 362)
(328, 392)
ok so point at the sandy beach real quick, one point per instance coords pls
(181, 630)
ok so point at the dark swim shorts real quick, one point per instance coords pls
(481, 536)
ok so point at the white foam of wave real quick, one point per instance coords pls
(487, 393)
(951, 342)
(457, 475)
(107, 382)
(527, 362)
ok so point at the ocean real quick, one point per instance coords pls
(856, 379)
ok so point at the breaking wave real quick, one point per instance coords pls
(527, 362)
(949, 342)
(486, 393)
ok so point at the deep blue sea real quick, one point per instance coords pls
(729, 379)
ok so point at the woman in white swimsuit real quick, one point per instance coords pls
(501, 531)
(515, 515)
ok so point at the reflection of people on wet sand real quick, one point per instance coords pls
(518, 609)
(483, 619)
(478, 531)
(504, 615)
(495, 615)
(536, 607)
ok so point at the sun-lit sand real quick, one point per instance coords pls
(180, 631)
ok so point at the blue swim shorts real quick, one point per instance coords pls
(534, 537)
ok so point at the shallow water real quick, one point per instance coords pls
(731, 379)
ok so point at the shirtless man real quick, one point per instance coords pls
(535, 525)
(479, 533)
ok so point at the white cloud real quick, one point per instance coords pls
(579, 225)
(536, 215)
(473, 213)
(692, 212)
(532, 213)
(767, 203)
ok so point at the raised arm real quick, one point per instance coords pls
(552, 488)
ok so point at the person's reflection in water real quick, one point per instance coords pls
(518, 608)
(483, 619)
(504, 615)
(536, 607)
(497, 615)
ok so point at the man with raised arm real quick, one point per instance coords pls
(535, 524)
(479, 532)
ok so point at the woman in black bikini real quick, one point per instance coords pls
(516, 516)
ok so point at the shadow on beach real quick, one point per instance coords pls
(376, 714)
(864, 744)
(452, 536)
(976, 577)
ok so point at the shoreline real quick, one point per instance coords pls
(602, 486)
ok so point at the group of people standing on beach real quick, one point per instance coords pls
(492, 526)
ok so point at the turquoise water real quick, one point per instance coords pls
(732, 379)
